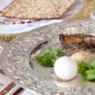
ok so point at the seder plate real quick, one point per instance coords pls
(16, 56)
(14, 26)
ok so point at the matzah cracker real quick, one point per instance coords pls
(37, 9)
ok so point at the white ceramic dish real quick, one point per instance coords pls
(4, 3)
(14, 26)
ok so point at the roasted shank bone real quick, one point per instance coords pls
(81, 41)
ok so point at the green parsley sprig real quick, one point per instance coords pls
(49, 57)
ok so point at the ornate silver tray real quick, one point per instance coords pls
(16, 56)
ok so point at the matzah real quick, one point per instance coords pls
(37, 9)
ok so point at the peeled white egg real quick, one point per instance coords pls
(65, 68)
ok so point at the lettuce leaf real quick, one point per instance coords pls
(87, 70)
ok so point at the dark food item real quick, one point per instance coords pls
(90, 41)
(79, 41)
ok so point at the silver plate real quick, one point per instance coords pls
(16, 56)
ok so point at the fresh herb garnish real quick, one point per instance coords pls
(49, 57)
(87, 71)
(31, 64)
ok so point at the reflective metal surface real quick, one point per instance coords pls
(15, 59)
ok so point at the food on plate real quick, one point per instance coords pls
(37, 9)
(87, 70)
(49, 57)
(65, 68)
(83, 56)
(80, 41)
(31, 64)
(85, 60)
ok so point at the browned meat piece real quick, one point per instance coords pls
(90, 41)
(80, 41)
(70, 39)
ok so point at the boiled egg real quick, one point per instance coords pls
(65, 68)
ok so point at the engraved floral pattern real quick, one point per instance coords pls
(16, 56)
